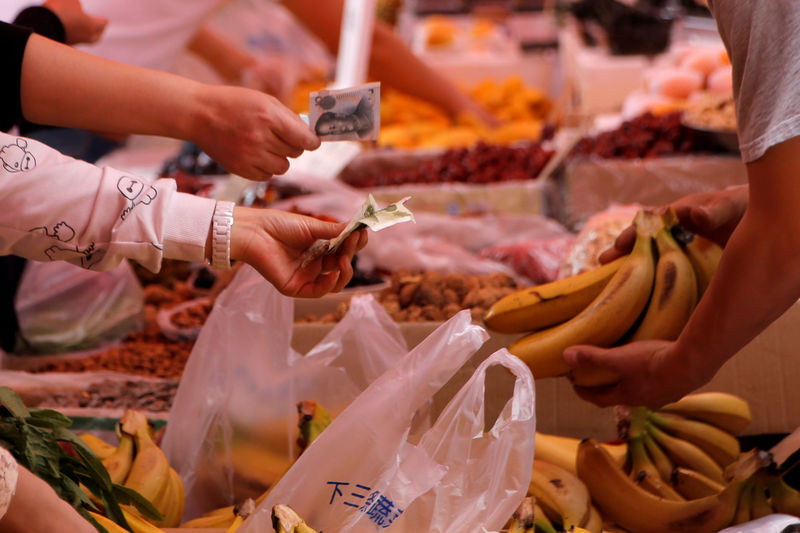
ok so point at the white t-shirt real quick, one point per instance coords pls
(762, 39)
(53, 207)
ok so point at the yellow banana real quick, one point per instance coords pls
(783, 497)
(743, 506)
(548, 304)
(691, 484)
(173, 502)
(759, 504)
(704, 256)
(685, 453)
(119, 463)
(623, 502)
(285, 520)
(607, 317)
(595, 522)
(561, 493)
(644, 472)
(522, 521)
(149, 473)
(674, 292)
(662, 463)
(720, 445)
(139, 524)
(726, 411)
(214, 521)
(101, 448)
(242, 512)
(561, 451)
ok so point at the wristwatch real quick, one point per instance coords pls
(221, 235)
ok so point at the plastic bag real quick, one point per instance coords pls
(363, 473)
(233, 423)
(62, 307)
(774, 523)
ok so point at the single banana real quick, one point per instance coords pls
(685, 453)
(743, 505)
(595, 522)
(174, 502)
(285, 520)
(659, 457)
(561, 451)
(119, 463)
(215, 521)
(623, 502)
(720, 445)
(149, 473)
(548, 304)
(101, 448)
(312, 421)
(560, 493)
(674, 293)
(726, 411)
(522, 521)
(704, 255)
(644, 472)
(110, 525)
(691, 484)
(783, 497)
(139, 524)
(606, 319)
(759, 504)
(242, 512)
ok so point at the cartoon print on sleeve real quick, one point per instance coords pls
(86, 258)
(136, 191)
(61, 231)
(16, 157)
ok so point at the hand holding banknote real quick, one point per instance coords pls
(352, 114)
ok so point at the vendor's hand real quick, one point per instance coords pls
(272, 75)
(713, 215)
(79, 26)
(274, 242)
(248, 132)
(652, 373)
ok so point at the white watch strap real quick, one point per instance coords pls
(221, 235)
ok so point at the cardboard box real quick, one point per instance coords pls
(766, 373)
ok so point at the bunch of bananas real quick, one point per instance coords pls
(648, 294)
(139, 464)
(312, 419)
(286, 520)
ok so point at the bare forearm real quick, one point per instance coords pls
(64, 87)
(758, 278)
(223, 55)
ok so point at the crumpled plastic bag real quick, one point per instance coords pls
(62, 307)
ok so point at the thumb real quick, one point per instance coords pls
(586, 356)
(98, 26)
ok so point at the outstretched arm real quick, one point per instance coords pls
(391, 62)
(248, 132)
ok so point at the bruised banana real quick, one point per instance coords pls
(726, 411)
(548, 304)
(562, 451)
(119, 463)
(285, 520)
(623, 502)
(645, 474)
(704, 255)
(685, 453)
(720, 445)
(691, 484)
(609, 315)
(563, 497)
(101, 448)
(529, 518)
(674, 292)
(150, 472)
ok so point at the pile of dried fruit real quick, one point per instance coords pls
(154, 396)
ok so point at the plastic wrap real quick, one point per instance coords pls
(62, 307)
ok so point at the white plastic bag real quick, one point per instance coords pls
(62, 307)
(774, 523)
(233, 424)
(363, 474)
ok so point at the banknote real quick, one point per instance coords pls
(372, 216)
(352, 114)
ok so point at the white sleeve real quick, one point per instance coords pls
(8, 480)
(53, 207)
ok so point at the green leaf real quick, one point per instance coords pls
(127, 496)
(49, 418)
(92, 462)
(13, 403)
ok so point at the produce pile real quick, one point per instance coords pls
(483, 163)
(433, 296)
(648, 294)
(149, 396)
